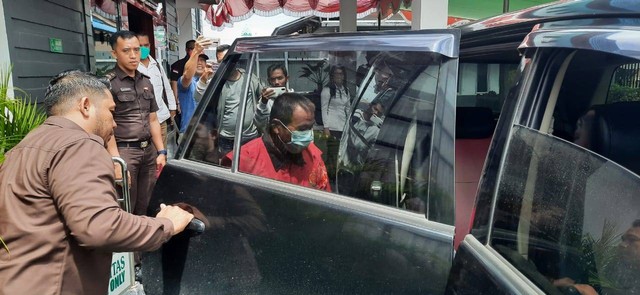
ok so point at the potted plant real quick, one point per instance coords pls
(317, 73)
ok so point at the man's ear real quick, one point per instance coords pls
(274, 126)
(85, 106)
(113, 54)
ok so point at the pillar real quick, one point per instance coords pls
(348, 16)
(429, 14)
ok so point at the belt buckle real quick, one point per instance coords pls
(144, 144)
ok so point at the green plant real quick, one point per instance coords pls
(18, 116)
(603, 251)
(619, 93)
(317, 73)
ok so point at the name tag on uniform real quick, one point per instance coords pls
(125, 89)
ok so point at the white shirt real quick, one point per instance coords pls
(159, 81)
(334, 109)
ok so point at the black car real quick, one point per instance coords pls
(522, 130)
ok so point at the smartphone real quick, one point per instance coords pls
(277, 91)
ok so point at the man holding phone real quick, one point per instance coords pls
(212, 67)
(194, 69)
(278, 79)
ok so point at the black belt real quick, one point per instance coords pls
(135, 144)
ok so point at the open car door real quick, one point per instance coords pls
(384, 225)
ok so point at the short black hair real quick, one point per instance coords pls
(274, 67)
(286, 103)
(203, 56)
(190, 45)
(125, 35)
(142, 34)
(222, 48)
(67, 87)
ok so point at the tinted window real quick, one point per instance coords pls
(567, 209)
(562, 214)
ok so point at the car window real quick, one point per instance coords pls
(385, 148)
(625, 84)
(374, 114)
(567, 214)
(485, 84)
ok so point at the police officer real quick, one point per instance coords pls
(138, 138)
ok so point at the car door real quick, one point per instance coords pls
(557, 208)
(273, 237)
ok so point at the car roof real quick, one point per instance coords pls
(488, 39)
(556, 11)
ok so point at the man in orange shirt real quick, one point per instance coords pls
(286, 152)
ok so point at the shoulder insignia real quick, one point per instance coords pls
(110, 75)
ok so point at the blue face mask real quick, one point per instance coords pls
(144, 52)
(300, 140)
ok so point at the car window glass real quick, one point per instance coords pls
(485, 84)
(625, 84)
(562, 213)
(385, 149)
(372, 133)
(216, 130)
(567, 214)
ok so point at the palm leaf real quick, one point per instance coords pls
(18, 115)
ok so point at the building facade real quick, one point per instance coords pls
(42, 38)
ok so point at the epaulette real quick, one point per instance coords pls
(145, 75)
(110, 75)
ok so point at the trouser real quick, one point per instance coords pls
(141, 164)
(163, 129)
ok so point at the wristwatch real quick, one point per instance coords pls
(162, 152)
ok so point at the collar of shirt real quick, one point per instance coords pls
(122, 75)
(278, 158)
(65, 123)
(152, 63)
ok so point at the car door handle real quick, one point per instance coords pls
(196, 227)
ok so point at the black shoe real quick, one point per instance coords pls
(138, 272)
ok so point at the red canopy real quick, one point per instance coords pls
(235, 10)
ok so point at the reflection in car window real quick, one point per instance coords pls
(385, 148)
(561, 213)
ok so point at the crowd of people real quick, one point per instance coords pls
(129, 114)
